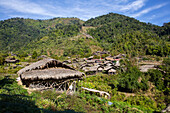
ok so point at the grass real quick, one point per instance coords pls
(14, 98)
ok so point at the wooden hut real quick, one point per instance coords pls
(90, 58)
(90, 61)
(111, 71)
(11, 60)
(66, 62)
(92, 70)
(48, 73)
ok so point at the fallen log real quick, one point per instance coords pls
(97, 91)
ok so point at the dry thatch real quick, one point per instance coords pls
(53, 73)
(11, 60)
(43, 64)
(48, 73)
(90, 61)
(107, 68)
(112, 71)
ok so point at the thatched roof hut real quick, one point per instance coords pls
(109, 58)
(111, 71)
(92, 70)
(52, 73)
(90, 58)
(48, 71)
(11, 60)
(84, 66)
(90, 61)
(67, 62)
(107, 68)
(43, 64)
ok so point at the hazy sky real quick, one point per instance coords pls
(153, 11)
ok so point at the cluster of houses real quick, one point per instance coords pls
(91, 66)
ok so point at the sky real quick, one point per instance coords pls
(153, 11)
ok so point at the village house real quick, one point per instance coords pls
(90, 58)
(49, 73)
(92, 70)
(11, 60)
(84, 66)
(90, 61)
(66, 62)
(109, 70)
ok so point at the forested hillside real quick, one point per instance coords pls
(16, 33)
(119, 33)
(119, 56)
(65, 36)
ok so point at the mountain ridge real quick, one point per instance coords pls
(112, 32)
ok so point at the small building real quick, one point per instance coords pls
(84, 66)
(92, 70)
(48, 73)
(42, 56)
(109, 58)
(67, 62)
(82, 63)
(100, 52)
(90, 61)
(11, 60)
(75, 60)
(90, 58)
(98, 60)
(111, 71)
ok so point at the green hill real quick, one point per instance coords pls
(119, 33)
(16, 33)
(69, 36)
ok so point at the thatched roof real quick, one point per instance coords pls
(94, 68)
(67, 62)
(109, 58)
(90, 61)
(107, 68)
(112, 70)
(84, 66)
(81, 63)
(11, 60)
(43, 64)
(91, 57)
(52, 73)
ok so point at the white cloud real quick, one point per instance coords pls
(133, 6)
(25, 6)
(145, 11)
(83, 9)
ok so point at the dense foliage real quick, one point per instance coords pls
(130, 89)
(123, 34)
(129, 81)
(16, 33)
(13, 98)
(113, 32)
